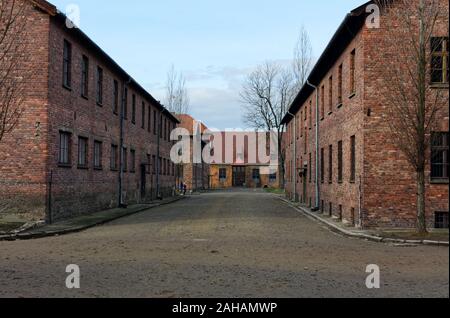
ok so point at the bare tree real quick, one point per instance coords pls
(266, 96)
(12, 55)
(303, 58)
(177, 98)
(413, 104)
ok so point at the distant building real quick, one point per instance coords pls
(67, 156)
(243, 168)
(194, 175)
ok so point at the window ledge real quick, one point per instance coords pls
(98, 168)
(439, 85)
(339, 105)
(99, 104)
(439, 181)
(330, 113)
(82, 167)
(64, 165)
(352, 95)
(114, 169)
(84, 97)
(67, 87)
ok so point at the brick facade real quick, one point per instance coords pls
(383, 190)
(51, 108)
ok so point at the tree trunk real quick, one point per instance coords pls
(421, 219)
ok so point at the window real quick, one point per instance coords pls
(133, 109)
(149, 164)
(154, 164)
(222, 174)
(340, 162)
(125, 104)
(322, 102)
(439, 60)
(439, 156)
(67, 64)
(84, 77)
(340, 84)
(305, 146)
(353, 159)
(116, 97)
(310, 114)
(99, 85)
(143, 116)
(154, 122)
(330, 164)
(330, 94)
(310, 167)
(273, 177)
(82, 152)
(322, 165)
(114, 157)
(149, 119)
(352, 72)
(256, 175)
(132, 160)
(64, 148)
(441, 220)
(97, 155)
(125, 159)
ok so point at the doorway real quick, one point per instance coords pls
(143, 182)
(238, 176)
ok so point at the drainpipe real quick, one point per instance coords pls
(294, 151)
(121, 158)
(317, 205)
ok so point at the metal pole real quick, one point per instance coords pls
(294, 150)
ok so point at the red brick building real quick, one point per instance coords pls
(194, 175)
(240, 165)
(72, 153)
(356, 169)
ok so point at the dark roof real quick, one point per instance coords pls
(61, 19)
(345, 34)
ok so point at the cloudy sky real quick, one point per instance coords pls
(215, 43)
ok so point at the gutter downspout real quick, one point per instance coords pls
(294, 150)
(317, 205)
(121, 157)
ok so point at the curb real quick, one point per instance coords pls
(368, 237)
(37, 235)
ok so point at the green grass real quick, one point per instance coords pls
(275, 191)
(8, 227)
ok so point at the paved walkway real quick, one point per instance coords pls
(221, 244)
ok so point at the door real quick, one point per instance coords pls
(304, 179)
(238, 176)
(143, 181)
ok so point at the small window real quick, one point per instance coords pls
(133, 109)
(256, 175)
(99, 85)
(125, 104)
(330, 164)
(143, 115)
(322, 102)
(97, 155)
(310, 168)
(222, 174)
(352, 72)
(439, 156)
(340, 84)
(155, 125)
(353, 159)
(82, 152)
(322, 165)
(439, 60)
(67, 64)
(330, 94)
(125, 159)
(64, 148)
(149, 119)
(114, 157)
(116, 97)
(441, 220)
(340, 162)
(273, 177)
(132, 160)
(84, 77)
